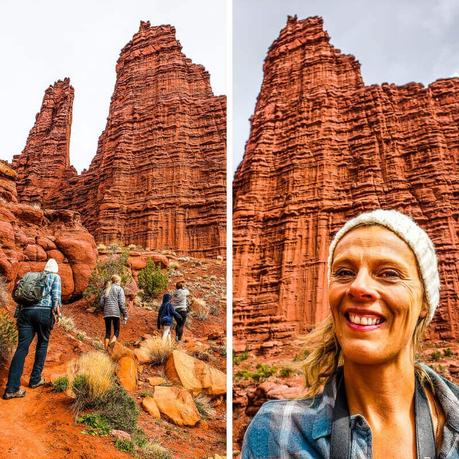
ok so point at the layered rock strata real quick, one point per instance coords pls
(29, 236)
(44, 165)
(158, 177)
(324, 147)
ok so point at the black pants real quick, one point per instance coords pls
(108, 326)
(180, 325)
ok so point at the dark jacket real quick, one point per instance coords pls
(167, 312)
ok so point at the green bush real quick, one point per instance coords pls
(435, 356)
(448, 352)
(116, 406)
(285, 372)
(97, 424)
(8, 335)
(125, 445)
(238, 358)
(152, 280)
(60, 384)
(263, 371)
(116, 264)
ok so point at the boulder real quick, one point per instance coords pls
(156, 381)
(150, 406)
(127, 373)
(117, 351)
(177, 404)
(195, 375)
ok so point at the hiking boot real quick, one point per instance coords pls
(9, 395)
(42, 382)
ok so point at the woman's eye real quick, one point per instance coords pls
(343, 273)
(390, 274)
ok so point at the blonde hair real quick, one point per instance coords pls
(323, 355)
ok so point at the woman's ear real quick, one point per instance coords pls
(424, 310)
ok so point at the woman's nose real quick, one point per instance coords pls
(362, 287)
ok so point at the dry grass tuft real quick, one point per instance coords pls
(98, 370)
(204, 406)
(157, 349)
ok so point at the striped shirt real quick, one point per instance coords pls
(52, 293)
(301, 429)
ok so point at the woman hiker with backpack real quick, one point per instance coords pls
(39, 299)
(113, 303)
(165, 317)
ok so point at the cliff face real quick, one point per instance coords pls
(324, 147)
(158, 177)
(44, 163)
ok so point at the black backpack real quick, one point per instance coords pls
(30, 289)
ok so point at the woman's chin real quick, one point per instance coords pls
(365, 353)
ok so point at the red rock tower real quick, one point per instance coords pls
(158, 177)
(45, 163)
(324, 147)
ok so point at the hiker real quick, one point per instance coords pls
(367, 394)
(35, 319)
(166, 315)
(113, 303)
(179, 301)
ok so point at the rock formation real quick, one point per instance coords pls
(158, 177)
(324, 147)
(44, 164)
(29, 236)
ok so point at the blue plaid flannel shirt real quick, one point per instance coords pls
(52, 294)
(301, 429)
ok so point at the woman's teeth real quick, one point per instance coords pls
(364, 320)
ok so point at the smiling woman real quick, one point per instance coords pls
(368, 397)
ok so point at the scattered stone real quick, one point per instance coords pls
(194, 374)
(150, 406)
(177, 404)
(120, 435)
(156, 381)
(127, 373)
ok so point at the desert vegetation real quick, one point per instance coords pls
(152, 280)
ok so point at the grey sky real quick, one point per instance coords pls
(42, 41)
(395, 41)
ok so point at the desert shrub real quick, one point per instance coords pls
(8, 335)
(157, 349)
(285, 372)
(94, 378)
(238, 358)
(262, 372)
(60, 384)
(448, 352)
(152, 280)
(155, 451)
(200, 309)
(435, 356)
(117, 263)
(96, 424)
(126, 446)
(139, 438)
(116, 406)
(67, 323)
(204, 406)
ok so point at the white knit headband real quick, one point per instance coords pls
(416, 238)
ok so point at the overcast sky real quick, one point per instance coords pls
(396, 41)
(42, 41)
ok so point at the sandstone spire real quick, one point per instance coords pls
(45, 162)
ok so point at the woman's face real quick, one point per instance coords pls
(375, 295)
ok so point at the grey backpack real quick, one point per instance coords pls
(30, 289)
